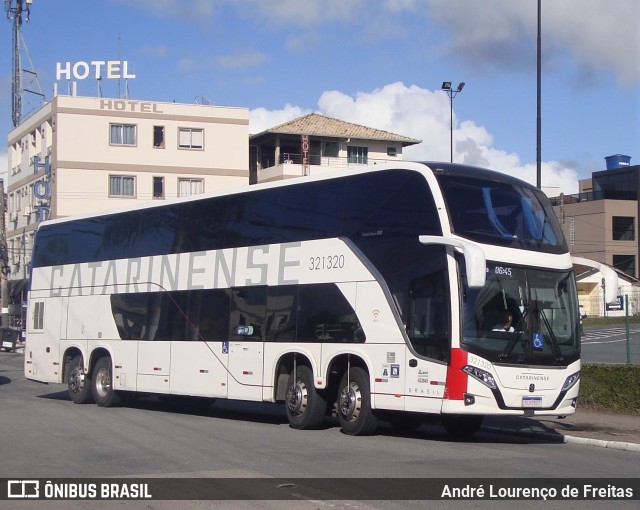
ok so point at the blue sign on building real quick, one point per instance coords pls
(615, 307)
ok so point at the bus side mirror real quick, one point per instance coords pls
(474, 260)
(609, 278)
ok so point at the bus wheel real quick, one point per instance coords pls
(102, 387)
(354, 404)
(78, 381)
(461, 426)
(305, 406)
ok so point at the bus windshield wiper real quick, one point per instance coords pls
(554, 340)
(518, 337)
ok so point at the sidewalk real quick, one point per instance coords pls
(593, 428)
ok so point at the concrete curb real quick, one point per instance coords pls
(562, 438)
(614, 445)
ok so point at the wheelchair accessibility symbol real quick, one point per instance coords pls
(538, 341)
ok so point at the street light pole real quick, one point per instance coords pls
(539, 101)
(446, 86)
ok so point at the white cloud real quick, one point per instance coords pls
(241, 60)
(159, 51)
(307, 12)
(597, 34)
(186, 9)
(262, 119)
(423, 114)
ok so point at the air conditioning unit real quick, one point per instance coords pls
(27, 211)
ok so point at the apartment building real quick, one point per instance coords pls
(601, 223)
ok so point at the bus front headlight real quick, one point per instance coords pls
(481, 375)
(571, 380)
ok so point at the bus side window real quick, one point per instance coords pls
(248, 311)
(282, 306)
(325, 315)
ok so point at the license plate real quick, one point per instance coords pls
(531, 402)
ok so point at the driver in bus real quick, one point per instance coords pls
(506, 322)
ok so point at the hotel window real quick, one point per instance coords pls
(122, 134)
(188, 187)
(189, 138)
(358, 155)
(623, 228)
(158, 137)
(122, 186)
(625, 263)
(330, 149)
(158, 187)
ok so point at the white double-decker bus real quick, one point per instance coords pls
(375, 294)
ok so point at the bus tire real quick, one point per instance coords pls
(460, 426)
(305, 406)
(78, 381)
(354, 404)
(102, 384)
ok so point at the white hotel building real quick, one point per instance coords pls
(78, 155)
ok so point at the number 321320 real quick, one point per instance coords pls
(326, 262)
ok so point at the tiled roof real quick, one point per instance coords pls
(314, 124)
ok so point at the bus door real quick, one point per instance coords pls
(246, 342)
(429, 332)
(44, 331)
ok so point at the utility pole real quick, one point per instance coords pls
(14, 10)
(4, 262)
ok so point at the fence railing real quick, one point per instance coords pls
(611, 336)
(318, 160)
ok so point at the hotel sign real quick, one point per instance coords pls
(98, 69)
(304, 148)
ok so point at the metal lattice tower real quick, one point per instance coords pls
(15, 10)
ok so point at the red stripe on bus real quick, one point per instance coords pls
(456, 378)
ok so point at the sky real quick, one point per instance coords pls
(380, 63)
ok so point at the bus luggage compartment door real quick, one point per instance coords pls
(154, 366)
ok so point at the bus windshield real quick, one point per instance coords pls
(522, 315)
(504, 213)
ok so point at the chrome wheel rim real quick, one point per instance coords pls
(350, 402)
(297, 398)
(76, 379)
(103, 382)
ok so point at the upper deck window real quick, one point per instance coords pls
(502, 213)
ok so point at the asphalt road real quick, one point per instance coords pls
(607, 344)
(43, 434)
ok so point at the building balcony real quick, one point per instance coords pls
(291, 165)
